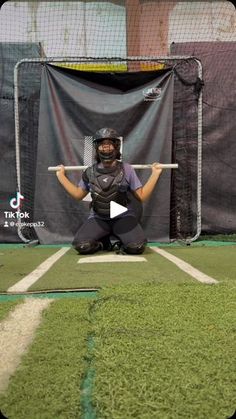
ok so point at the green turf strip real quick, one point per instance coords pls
(68, 273)
(202, 243)
(164, 351)
(15, 263)
(54, 295)
(218, 262)
(5, 308)
(218, 237)
(48, 383)
(30, 245)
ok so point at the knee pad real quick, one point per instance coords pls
(134, 248)
(87, 247)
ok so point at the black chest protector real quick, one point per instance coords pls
(106, 186)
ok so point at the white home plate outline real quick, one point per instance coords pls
(111, 258)
(186, 267)
(25, 283)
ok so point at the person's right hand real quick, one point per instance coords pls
(156, 170)
(61, 171)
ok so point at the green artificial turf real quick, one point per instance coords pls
(218, 262)
(218, 237)
(67, 273)
(48, 383)
(151, 350)
(6, 307)
(164, 351)
(15, 263)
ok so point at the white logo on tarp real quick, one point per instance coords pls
(152, 93)
(105, 179)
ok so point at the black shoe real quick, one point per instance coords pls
(106, 243)
(118, 248)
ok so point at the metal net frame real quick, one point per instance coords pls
(185, 214)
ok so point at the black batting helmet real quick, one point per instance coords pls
(106, 133)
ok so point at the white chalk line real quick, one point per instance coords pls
(17, 333)
(25, 283)
(186, 267)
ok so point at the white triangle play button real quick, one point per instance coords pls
(116, 209)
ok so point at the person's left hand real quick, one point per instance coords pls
(156, 169)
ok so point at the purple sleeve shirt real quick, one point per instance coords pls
(130, 179)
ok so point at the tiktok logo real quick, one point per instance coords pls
(15, 202)
(10, 216)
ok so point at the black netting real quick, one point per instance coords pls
(113, 31)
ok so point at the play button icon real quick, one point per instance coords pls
(116, 209)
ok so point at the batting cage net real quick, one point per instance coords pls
(160, 72)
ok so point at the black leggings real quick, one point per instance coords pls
(126, 229)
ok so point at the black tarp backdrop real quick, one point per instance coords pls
(219, 126)
(10, 54)
(74, 105)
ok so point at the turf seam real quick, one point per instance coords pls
(88, 409)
